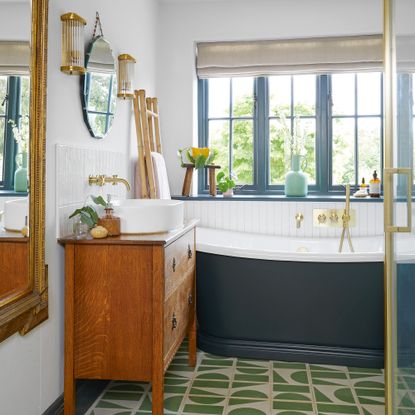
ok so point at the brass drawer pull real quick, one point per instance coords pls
(173, 265)
(189, 252)
(190, 299)
(174, 321)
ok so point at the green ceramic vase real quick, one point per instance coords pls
(20, 175)
(295, 180)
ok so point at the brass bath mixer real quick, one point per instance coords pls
(346, 222)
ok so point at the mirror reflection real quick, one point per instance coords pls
(15, 53)
(99, 88)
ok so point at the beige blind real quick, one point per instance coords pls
(14, 58)
(271, 57)
(405, 54)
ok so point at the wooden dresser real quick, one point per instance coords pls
(129, 303)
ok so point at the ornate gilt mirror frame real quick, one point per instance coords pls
(27, 311)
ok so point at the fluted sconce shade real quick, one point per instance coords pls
(125, 76)
(73, 47)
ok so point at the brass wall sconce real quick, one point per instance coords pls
(73, 47)
(125, 76)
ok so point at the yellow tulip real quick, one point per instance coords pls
(200, 152)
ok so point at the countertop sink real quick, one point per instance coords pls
(15, 213)
(149, 215)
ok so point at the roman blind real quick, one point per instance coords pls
(14, 58)
(290, 56)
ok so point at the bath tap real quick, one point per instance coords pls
(299, 217)
(346, 222)
(101, 179)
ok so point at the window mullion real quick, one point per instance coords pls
(203, 128)
(10, 145)
(356, 135)
(323, 129)
(230, 129)
(261, 158)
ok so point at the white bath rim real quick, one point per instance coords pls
(298, 249)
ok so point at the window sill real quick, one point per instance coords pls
(280, 198)
(4, 193)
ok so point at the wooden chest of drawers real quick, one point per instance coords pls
(129, 303)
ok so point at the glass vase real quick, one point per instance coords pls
(296, 180)
(20, 175)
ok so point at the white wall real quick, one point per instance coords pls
(15, 20)
(182, 23)
(31, 374)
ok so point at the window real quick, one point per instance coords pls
(14, 106)
(340, 117)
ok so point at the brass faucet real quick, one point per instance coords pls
(346, 222)
(299, 217)
(101, 179)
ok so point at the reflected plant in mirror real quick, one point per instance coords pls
(99, 88)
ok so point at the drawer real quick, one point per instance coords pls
(178, 312)
(179, 261)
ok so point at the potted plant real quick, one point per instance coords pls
(87, 216)
(225, 184)
(296, 181)
(199, 157)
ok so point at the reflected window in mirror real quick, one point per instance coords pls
(100, 96)
(14, 127)
(99, 88)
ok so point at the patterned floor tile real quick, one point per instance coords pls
(231, 386)
(247, 407)
(291, 376)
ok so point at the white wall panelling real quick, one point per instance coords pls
(278, 218)
(73, 166)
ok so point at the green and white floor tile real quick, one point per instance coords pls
(230, 386)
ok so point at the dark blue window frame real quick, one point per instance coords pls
(323, 147)
(12, 101)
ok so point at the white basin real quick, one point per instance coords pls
(15, 213)
(149, 215)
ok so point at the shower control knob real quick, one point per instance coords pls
(334, 217)
(173, 265)
(174, 322)
(189, 252)
(321, 218)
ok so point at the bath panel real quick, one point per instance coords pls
(327, 313)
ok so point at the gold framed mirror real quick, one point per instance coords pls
(23, 273)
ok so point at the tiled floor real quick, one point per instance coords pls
(230, 386)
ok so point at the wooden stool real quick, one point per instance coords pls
(187, 183)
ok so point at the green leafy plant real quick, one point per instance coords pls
(88, 214)
(225, 183)
(199, 161)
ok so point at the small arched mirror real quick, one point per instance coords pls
(99, 88)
